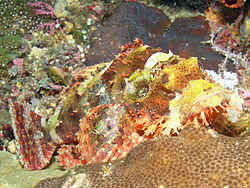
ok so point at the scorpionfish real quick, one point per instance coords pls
(112, 107)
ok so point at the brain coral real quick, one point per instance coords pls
(195, 158)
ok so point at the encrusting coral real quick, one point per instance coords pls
(195, 158)
(233, 3)
(112, 107)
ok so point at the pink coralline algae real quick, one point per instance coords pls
(19, 62)
(49, 26)
(246, 96)
(46, 9)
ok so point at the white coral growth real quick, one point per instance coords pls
(228, 80)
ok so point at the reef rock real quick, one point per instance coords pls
(185, 36)
(130, 21)
(197, 157)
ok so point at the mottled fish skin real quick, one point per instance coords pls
(118, 105)
(34, 145)
(37, 139)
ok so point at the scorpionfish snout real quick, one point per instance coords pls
(208, 103)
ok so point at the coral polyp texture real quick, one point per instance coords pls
(195, 158)
(233, 3)
(115, 106)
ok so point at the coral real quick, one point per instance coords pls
(233, 3)
(226, 33)
(19, 62)
(197, 157)
(45, 70)
(16, 20)
(57, 75)
(80, 17)
(8, 45)
(50, 26)
(227, 80)
(7, 139)
(246, 96)
(7, 132)
(229, 38)
(46, 9)
(5, 116)
(197, 5)
(17, 68)
(17, 23)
